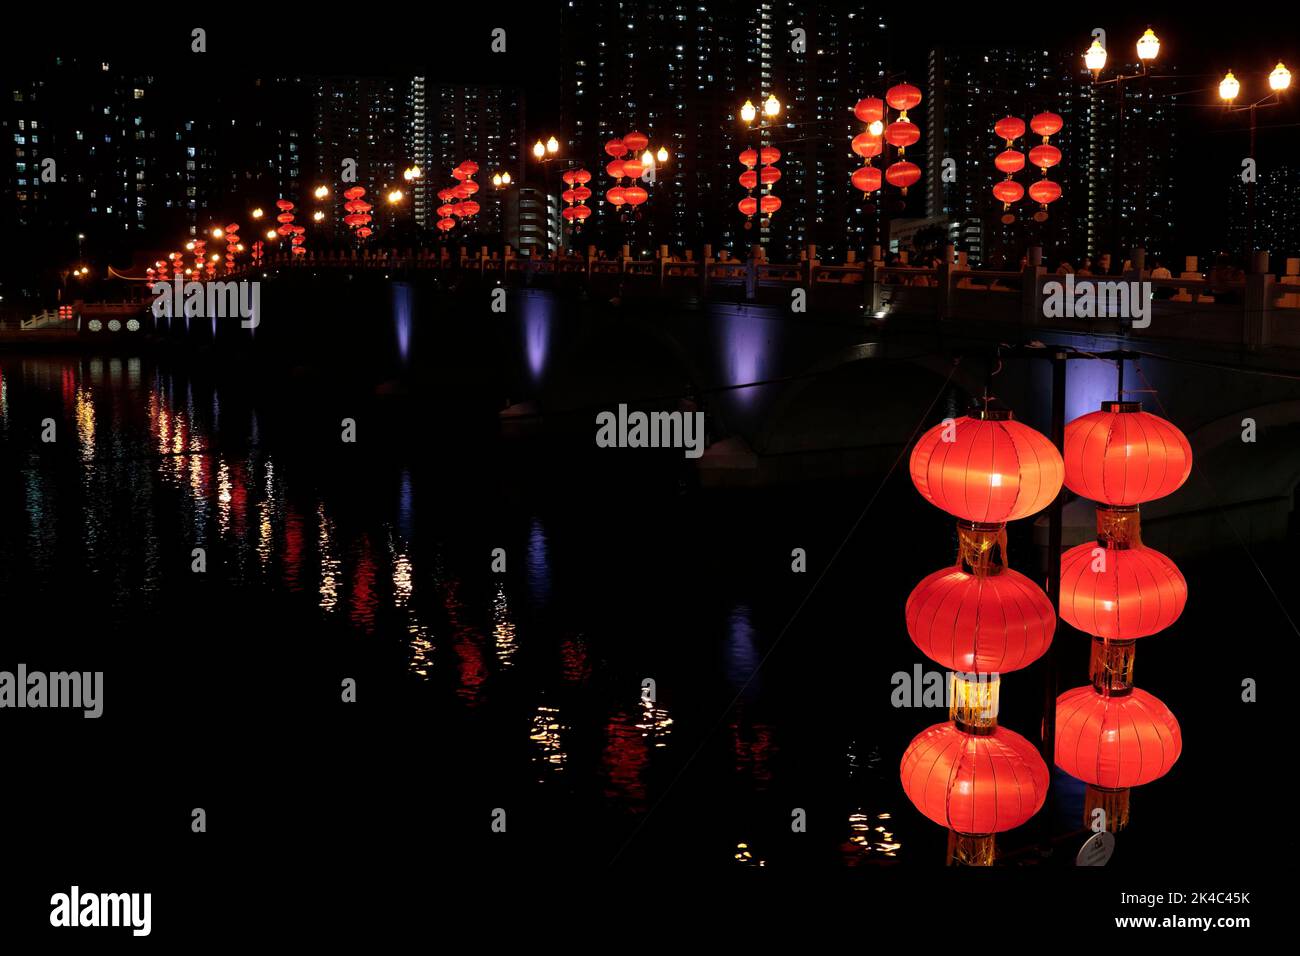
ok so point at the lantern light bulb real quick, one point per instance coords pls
(747, 112)
(1095, 58)
(876, 128)
(1229, 87)
(1280, 78)
(1149, 46)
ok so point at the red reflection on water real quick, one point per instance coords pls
(753, 748)
(573, 656)
(471, 665)
(626, 756)
(293, 547)
(362, 601)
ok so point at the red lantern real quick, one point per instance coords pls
(446, 223)
(903, 174)
(974, 784)
(1009, 128)
(1120, 593)
(903, 97)
(568, 196)
(616, 148)
(869, 110)
(902, 134)
(615, 196)
(1009, 161)
(283, 205)
(987, 624)
(363, 232)
(1046, 124)
(867, 178)
(769, 204)
(582, 194)
(635, 195)
(770, 154)
(1122, 455)
(356, 192)
(866, 145)
(1117, 741)
(748, 206)
(1045, 156)
(469, 208)
(567, 212)
(770, 175)
(1008, 191)
(993, 468)
(469, 167)
(581, 212)
(567, 177)
(582, 176)
(632, 168)
(636, 141)
(749, 157)
(1044, 191)
(615, 168)
(749, 179)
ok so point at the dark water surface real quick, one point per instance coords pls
(519, 690)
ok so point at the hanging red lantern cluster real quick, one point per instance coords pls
(901, 134)
(869, 143)
(232, 245)
(759, 179)
(357, 211)
(576, 196)
(1112, 735)
(463, 192)
(629, 168)
(1044, 191)
(979, 619)
(1009, 161)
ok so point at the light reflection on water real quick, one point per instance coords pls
(162, 464)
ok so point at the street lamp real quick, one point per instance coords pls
(539, 149)
(322, 192)
(258, 213)
(1229, 88)
(552, 145)
(1148, 46)
(748, 113)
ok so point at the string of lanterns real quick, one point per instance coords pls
(869, 143)
(232, 245)
(631, 168)
(980, 619)
(1010, 161)
(576, 196)
(766, 202)
(1111, 734)
(901, 134)
(358, 211)
(1044, 191)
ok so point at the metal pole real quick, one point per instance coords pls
(1054, 530)
(1250, 195)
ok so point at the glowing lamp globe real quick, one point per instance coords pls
(1009, 161)
(1008, 191)
(994, 469)
(974, 784)
(1009, 128)
(903, 174)
(866, 145)
(870, 110)
(1115, 742)
(1120, 593)
(1046, 124)
(984, 624)
(902, 133)
(867, 179)
(903, 96)
(1123, 456)
(1044, 191)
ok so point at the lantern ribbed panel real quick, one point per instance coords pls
(1115, 742)
(1139, 592)
(1125, 458)
(991, 624)
(993, 471)
(974, 784)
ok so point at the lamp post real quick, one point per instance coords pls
(749, 113)
(1229, 88)
(1094, 58)
(547, 153)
